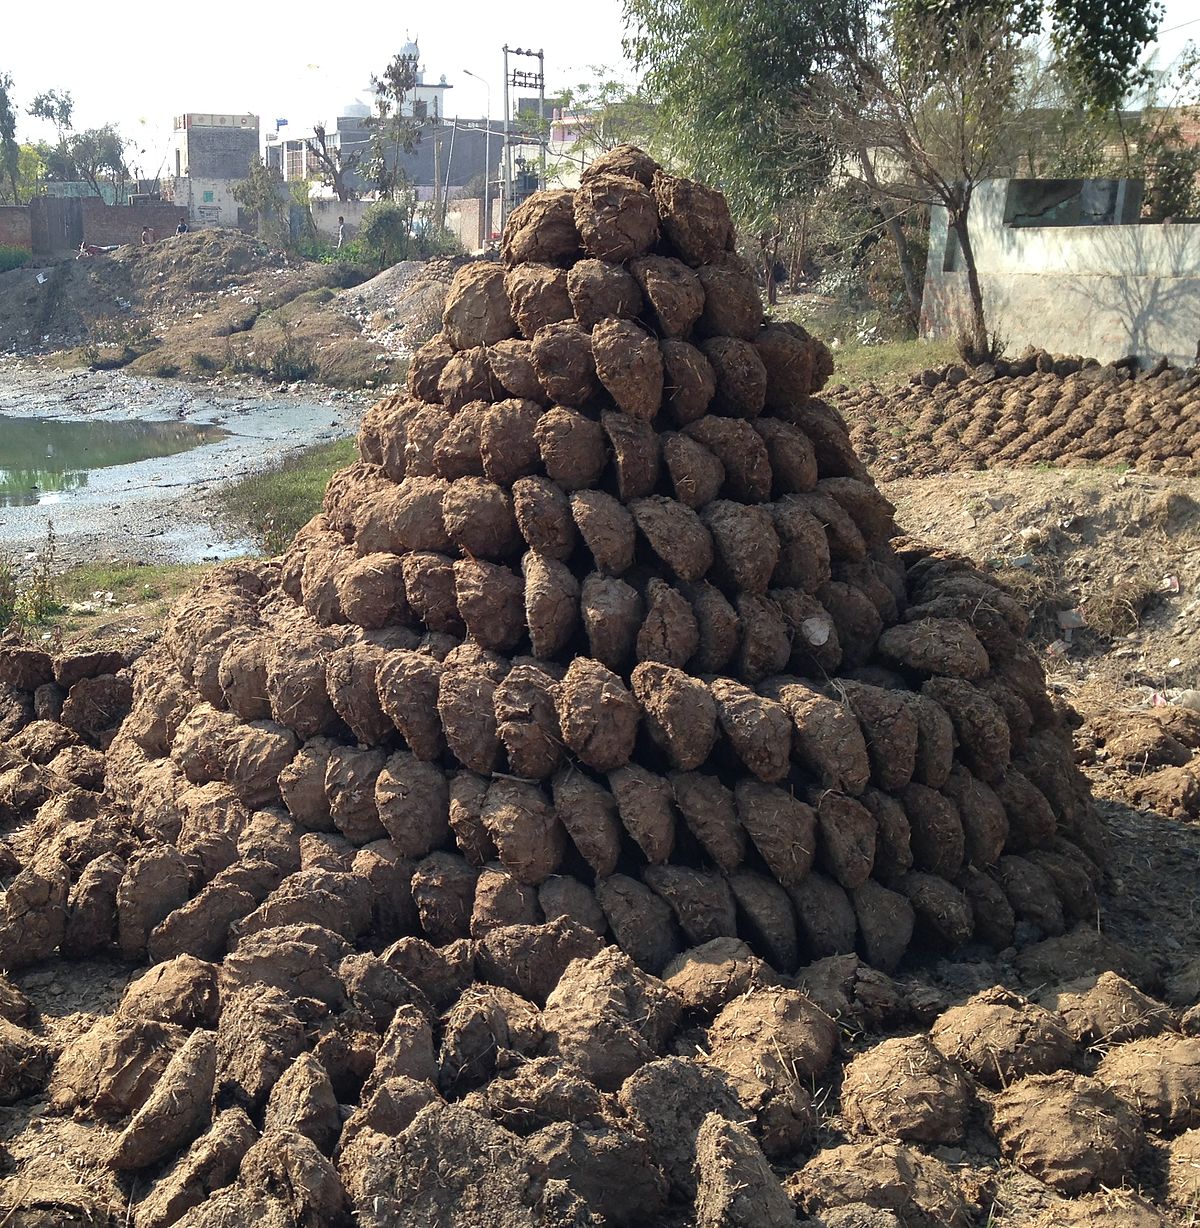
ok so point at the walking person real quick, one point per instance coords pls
(341, 233)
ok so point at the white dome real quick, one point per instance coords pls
(357, 109)
(410, 48)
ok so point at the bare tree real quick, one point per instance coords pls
(927, 118)
(335, 164)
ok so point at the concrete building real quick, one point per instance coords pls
(211, 155)
(350, 131)
(1065, 265)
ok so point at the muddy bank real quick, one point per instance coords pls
(158, 509)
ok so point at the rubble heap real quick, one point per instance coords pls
(601, 697)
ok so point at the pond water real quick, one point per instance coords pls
(41, 457)
(123, 466)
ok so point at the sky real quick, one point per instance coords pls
(138, 64)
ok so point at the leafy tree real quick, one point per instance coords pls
(1097, 46)
(56, 107)
(335, 163)
(734, 82)
(1155, 147)
(395, 133)
(95, 156)
(934, 116)
(729, 79)
(98, 154)
(607, 113)
(10, 153)
(31, 170)
(263, 193)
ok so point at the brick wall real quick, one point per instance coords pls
(16, 227)
(105, 225)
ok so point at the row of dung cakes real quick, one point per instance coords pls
(806, 817)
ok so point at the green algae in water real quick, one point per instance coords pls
(39, 456)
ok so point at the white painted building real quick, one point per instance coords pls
(1064, 265)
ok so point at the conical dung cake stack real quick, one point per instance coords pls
(610, 622)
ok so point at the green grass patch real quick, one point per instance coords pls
(128, 581)
(871, 346)
(271, 505)
(13, 258)
(890, 363)
(111, 600)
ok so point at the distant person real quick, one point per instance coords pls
(341, 233)
(182, 228)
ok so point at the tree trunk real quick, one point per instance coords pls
(772, 261)
(978, 332)
(896, 229)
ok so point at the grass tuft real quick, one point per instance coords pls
(127, 581)
(271, 505)
(889, 364)
(1118, 609)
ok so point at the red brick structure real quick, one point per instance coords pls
(108, 224)
(51, 224)
(15, 227)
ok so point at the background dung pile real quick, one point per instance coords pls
(1038, 412)
(602, 699)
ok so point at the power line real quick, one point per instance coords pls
(1182, 25)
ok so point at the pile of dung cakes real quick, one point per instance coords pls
(1063, 416)
(610, 623)
(473, 844)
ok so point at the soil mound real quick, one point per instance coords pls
(199, 261)
(603, 662)
(1089, 415)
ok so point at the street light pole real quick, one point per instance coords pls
(487, 160)
(506, 152)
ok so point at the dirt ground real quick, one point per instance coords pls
(216, 301)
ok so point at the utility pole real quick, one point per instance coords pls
(506, 153)
(437, 175)
(487, 161)
(522, 79)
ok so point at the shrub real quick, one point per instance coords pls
(385, 232)
(292, 361)
(29, 599)
(13, 258)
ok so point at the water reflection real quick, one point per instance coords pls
(40, 457)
